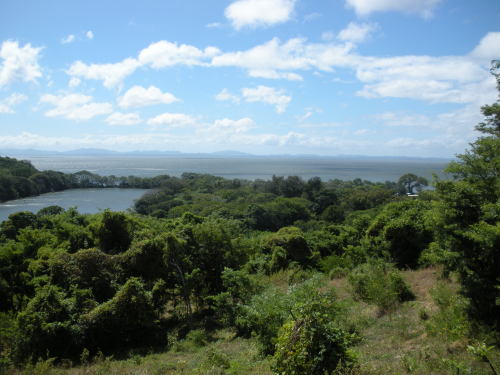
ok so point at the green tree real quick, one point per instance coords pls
(127, 320)
(404, 229)
(411, 181)
(470, 212)
(114, 232)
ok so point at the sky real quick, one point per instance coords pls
(328, 77)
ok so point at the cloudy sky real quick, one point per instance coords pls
(329, 77)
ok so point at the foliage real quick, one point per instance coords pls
(404, 229)
(450, 320)
(313, 342)
(286, 246)
(411, 181)
(470, 212)
(113, 232)
(266, 312)
(127, 320)
(381, 284)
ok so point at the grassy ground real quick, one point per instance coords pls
(424, 336)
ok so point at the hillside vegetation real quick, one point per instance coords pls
(216, 276)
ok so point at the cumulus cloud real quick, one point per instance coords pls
(267, 95)
(18, 63)
(164, 54)
(12, 100)
(226, 95)
(440, 79)
(139, 96)
(123, 119)
(489, 47)
(111, 74)
(69, 39)
(89, 34)
(275, 60)
(76, 107)
(356, 32)
(172, 120)
(263, 94)
(451, 79)
(255, 13)
(424, 8)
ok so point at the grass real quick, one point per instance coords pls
(424, 336)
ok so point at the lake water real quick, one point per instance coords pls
(86, 200)
(249, 168)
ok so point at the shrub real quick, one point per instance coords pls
(404, 229)
(127, 320)
(313, 342)
(451, 318)
(266, 313)
(286, 246)
(45, 326)
(381, 284)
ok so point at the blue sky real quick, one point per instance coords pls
(370, 77)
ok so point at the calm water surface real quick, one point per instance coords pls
(93, 200)
(378, 170)
(86, 200)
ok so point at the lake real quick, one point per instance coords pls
(86, 200)
(250, 168)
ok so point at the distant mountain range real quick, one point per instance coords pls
(227, 153)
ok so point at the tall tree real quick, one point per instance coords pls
(470, 212)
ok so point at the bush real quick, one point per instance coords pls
(286, 246)
(451, 318)
(313, 342)
(381, 284)
(266, 313)
(127, 320)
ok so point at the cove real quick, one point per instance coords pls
(87, 201)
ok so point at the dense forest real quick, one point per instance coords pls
(217, 276)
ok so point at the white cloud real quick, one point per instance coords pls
(452, 79)
(172, 120)
(11, 101)
(276, 60)
(111, 74)
(19, 63)
(268, 95)
(76, 107)
(403, 119)
(69, 39)
(424, 8)
(356, 32)
(164, 54)
(139, 96)
(255, 13)
(489, 47)
(74, 82)
(226, 95)
(89, 34)
(227, 126)
(123, 119)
